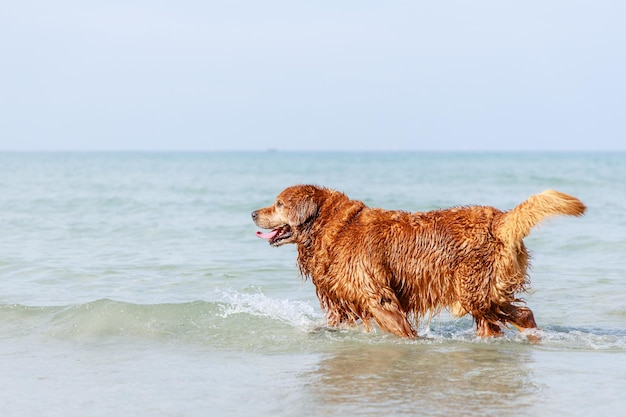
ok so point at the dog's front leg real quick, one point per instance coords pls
(387, 314)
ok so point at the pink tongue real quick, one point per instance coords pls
(267, 235)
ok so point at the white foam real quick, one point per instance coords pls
(296, 313)
(583, 339)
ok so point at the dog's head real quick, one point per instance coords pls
(294, 208)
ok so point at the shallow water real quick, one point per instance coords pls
(133, 284)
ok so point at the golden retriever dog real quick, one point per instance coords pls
(394, 267)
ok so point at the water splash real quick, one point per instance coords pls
(573, 338)
(295, 313)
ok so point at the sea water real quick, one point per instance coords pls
(133, 285)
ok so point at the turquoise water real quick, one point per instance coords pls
(134, 284)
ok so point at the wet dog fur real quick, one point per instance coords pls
(395, 268)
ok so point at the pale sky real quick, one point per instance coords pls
(312, 75)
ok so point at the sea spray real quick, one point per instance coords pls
(296, 313)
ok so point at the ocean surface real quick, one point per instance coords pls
(133, 285)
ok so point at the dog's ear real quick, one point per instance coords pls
(303, 211)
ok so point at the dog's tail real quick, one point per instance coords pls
(516, 224)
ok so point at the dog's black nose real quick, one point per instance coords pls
(255, 214)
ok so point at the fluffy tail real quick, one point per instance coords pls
(516, 224)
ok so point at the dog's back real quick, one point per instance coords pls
(468, 259)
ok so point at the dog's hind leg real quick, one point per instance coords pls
(486, 328)
(521, 318)
(387, 314)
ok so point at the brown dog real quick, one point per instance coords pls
(394, 267)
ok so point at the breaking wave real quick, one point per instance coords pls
(254, 321)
